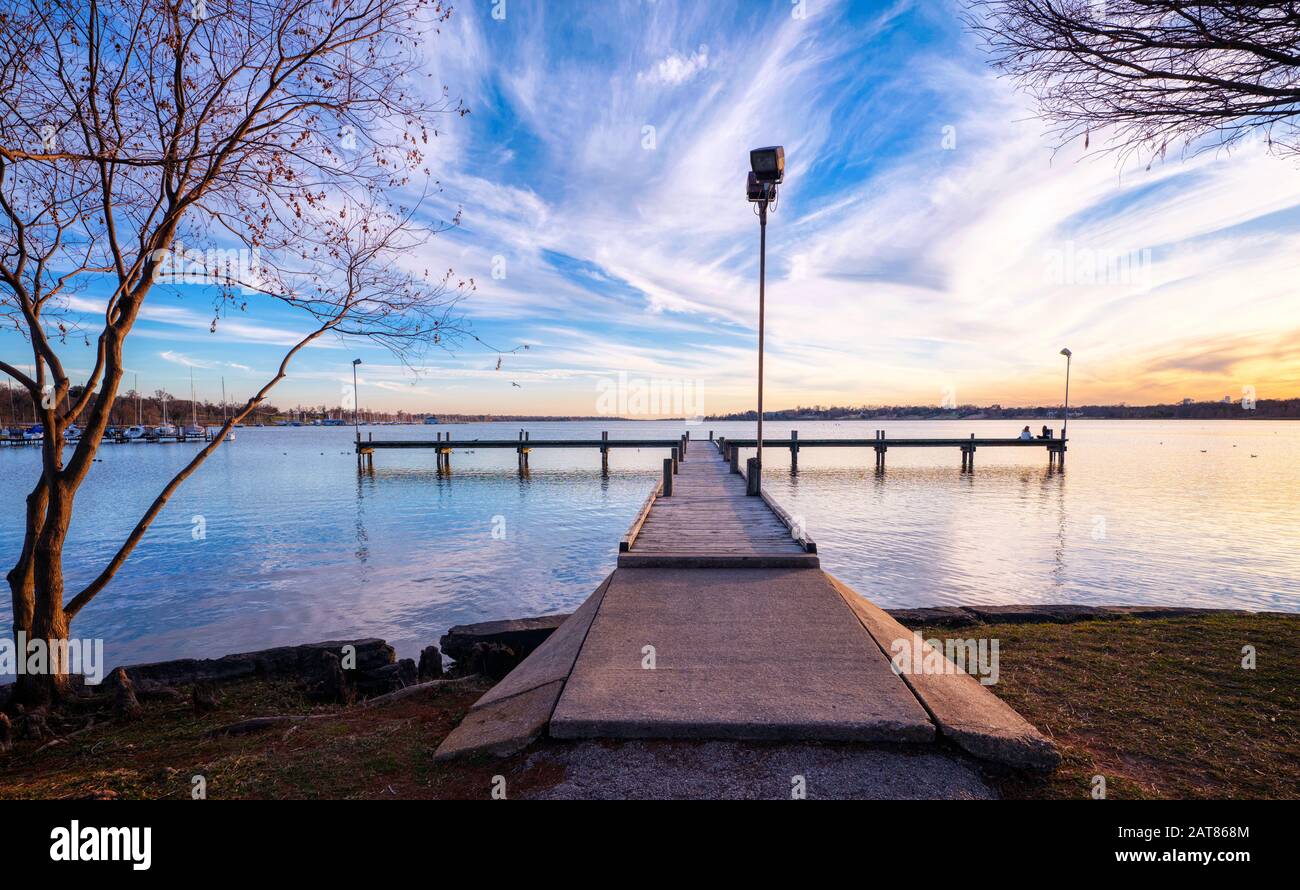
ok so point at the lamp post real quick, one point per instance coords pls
(356, 400)
(1066, 424)
(767, 171)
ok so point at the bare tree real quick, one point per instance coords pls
(1154, 74)
(273, 129)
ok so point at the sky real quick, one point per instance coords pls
(932, 243)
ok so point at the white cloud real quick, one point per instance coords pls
(676, 69)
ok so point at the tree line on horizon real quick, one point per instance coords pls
(1265, 409)
(152, 409)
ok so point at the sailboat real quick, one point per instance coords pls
(230, 436)
(165, 429)
(136, 433)
(192, 430)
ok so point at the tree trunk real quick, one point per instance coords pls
(22, 576)
(37, 581)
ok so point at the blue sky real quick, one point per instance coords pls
(931, 242)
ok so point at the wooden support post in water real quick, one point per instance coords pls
(604, 451)
(753, 479)
(794, 450)
(668, 477)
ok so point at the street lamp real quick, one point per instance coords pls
(767, 171)
(1066, 424)
(356, 400)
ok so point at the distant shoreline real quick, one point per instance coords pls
(452, 419)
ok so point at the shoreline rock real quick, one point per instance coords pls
(520, 635)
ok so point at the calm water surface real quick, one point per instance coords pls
(298, 547)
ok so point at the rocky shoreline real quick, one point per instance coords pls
(346, 671)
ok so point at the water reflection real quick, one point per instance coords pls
(1189, 520)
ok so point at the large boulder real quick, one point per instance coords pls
(389, 678)
(125, 704)
(430, 667)
(492, 660)
(520, 635)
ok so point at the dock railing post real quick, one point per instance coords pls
(733, 457)
(753, 480)
(710, 435)
(668, 477)
(604, 451)
(675, 458)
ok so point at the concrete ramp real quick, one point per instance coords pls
(516, 712)
(733, 654)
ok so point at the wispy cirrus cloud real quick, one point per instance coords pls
(928, 233)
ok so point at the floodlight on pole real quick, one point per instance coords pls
(1066, 424)
(356, 400)
(767, 171)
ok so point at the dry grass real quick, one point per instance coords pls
(1160, 708)
(380, 752)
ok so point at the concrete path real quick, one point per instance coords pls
(735, 653)
(714, 770)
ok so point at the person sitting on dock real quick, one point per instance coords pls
(1026, 434)
(1046, 434)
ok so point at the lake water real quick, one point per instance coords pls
(297, 547)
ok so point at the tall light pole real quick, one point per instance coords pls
(1066, 425)
(356, 400)
(767, 171)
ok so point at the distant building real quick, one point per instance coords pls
(1189, 401)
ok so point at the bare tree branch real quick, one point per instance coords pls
(1150, 74)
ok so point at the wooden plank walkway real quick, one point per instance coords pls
(709, 522)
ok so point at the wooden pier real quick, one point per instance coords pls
(719, 624)
(701, 517)
(444, 445)
(729, 447)
(881, 444)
